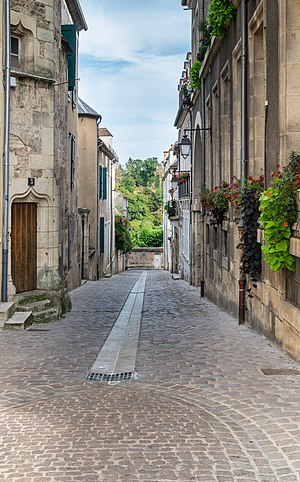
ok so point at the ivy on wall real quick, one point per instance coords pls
(194, 75)
(220, 14)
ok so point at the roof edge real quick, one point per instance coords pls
(77, 14)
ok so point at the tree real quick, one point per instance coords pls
(140, 181)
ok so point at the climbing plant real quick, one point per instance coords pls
(122, 234)
(220, 13)
(278, 213)
(194, 75)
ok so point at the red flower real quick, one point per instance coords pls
(298, 181)
(277, 165)
(285, 224)
(268, 194)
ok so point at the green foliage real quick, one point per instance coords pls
(204, 41)
(149, 238)
(278, 213)
(122, 234)
(194, 75)
(216, 200)
(140, 182)
(220, 13)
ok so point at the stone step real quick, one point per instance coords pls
(35, 307)
(45, 316)
(29, 297)
(20, 320)
(7, 309)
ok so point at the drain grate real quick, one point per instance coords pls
(110, 377)
(37, 330)
(280, 371)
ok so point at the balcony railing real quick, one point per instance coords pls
(184, 188)
(172, 209)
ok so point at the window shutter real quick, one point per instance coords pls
(69, 33)
(101, 235)
(104, 174)
(102, 183)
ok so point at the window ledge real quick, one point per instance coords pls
(20, 73)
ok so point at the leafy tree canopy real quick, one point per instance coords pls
(140, 181)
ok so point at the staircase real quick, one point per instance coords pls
(10, 318)
(28, 308)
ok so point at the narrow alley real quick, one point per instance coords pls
(208, 401)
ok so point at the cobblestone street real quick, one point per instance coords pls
(199, 409)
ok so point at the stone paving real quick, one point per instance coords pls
(200, 408)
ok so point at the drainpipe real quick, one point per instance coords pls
(202, 186)
(112, 162)
(6, 158)
(97, 204)
(244, 88)
(191, 200)
(244, 141)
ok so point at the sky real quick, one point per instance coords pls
(130, 63)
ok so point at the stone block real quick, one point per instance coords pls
(44, 35)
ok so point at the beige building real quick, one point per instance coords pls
(107, 160)
(244, 120)
(88, 188)
(43, 218)
(96, 195)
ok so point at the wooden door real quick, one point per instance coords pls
(24, 246)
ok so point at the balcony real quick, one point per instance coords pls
(172, 210)
(184, 187)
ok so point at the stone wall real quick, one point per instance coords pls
(146, 258)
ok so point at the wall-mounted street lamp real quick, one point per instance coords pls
(186, 143)
(174, 182)
(185, 146)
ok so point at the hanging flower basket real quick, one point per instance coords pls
(182, 176)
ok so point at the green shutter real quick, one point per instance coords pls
(104, 184)
(69, 33)
(101, 235)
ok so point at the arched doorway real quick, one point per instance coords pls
(24, 246)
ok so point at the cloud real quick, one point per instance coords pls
(130, 63)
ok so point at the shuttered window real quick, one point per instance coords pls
(69, 33)
(103, 183)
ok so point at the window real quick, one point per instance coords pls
(74, 98)
(215, 238)
(207, 234)
(101, 234)
(225, 244)
(293, 285)
(15, 46)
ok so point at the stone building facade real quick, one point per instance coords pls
(107, 161)
(96, 196)
(43, 217)
(245, 113)
(88, 188)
